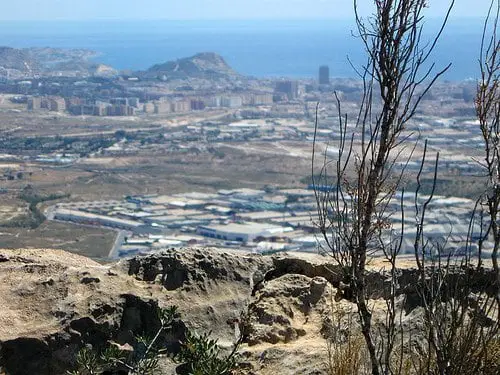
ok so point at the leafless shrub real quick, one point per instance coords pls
(462, 319)
(353, 213)
(488, 113)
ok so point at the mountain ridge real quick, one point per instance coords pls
(42, 59)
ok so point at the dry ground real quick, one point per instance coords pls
(114, 177)
(83, 240)
(19, 122)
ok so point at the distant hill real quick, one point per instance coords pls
(206, 65)
(31, 61)
(18, 59)
(28, 62)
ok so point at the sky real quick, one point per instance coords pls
(15, 10)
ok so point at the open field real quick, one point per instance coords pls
(114, 177)
(88, 241)
(26, 124)
(10, 208)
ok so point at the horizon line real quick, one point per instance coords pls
(292, 19)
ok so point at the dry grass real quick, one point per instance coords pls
(345, 346)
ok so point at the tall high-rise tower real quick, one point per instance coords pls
(290, 88)
(324, 75)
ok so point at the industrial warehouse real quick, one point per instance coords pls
(262, 221)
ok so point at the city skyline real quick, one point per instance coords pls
(210, 9)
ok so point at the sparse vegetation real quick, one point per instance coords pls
(345, 344)
(460, 321)
(199, 354)
(33, 217)
(141, 360)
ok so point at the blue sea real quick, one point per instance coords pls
(257, 48)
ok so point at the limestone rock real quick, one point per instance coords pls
(49, 310)
(53, 303)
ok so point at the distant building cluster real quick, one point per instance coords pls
(168, 105)
(113, 107)
(52, 103)
(131, 106)
(77, 106)
(288, 89)
(100, 97)
(255, 220)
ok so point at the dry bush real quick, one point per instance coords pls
(355, 189)
(345, 345)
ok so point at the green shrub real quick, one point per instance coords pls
(201, 355)
(198, 355)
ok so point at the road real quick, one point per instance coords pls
(120, 237)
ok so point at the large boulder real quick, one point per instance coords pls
(53, 303)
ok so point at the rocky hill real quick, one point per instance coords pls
(28, 62)
(53, 303)
(206, 65)
(39, 61)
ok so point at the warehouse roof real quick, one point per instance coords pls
(90, 216)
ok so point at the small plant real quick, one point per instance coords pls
(89, 362)
(143, 360)
(202, 355)
(199, 354)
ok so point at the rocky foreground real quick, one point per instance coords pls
(52, 303)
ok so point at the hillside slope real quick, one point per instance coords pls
(35, 61)
(207, 65)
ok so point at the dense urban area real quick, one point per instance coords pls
(191, 153)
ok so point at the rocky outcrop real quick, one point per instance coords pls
(53, 303)
(30, 61)
(207, 65)
(210, 287)
(283, 306)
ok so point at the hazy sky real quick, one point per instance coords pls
(205, 9)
